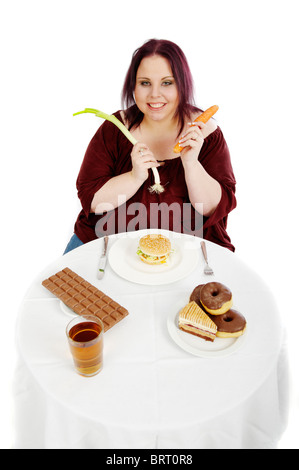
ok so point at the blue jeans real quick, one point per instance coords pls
(73, 243)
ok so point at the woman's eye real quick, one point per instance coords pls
(167, 83)
(145, 83)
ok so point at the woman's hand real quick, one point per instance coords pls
(192, 141)
(142, 160)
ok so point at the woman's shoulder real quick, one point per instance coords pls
(108, 128)
(121, 116)
(108, 133)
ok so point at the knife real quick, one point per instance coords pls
(103, 259)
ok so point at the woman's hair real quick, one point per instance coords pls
(181, 73)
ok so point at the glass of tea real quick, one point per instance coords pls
(85, 337)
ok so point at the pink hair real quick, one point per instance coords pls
(181, 72)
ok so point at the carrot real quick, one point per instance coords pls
(204, 117)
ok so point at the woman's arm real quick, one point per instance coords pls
(119, 189)
(202, 188)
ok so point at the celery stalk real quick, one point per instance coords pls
(157, 187)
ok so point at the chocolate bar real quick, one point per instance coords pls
(84, 298)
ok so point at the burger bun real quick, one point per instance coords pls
(154, 249)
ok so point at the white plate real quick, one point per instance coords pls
(67, 310)
(182, 261)
(200, 347)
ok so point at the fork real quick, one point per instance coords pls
(207, 269)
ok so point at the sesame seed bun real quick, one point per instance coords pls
(154, 248)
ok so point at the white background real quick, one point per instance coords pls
(58, 57)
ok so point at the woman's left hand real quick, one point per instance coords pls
(192, 141)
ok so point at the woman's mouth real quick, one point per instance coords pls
(156, 106)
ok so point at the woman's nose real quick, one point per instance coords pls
(155, 91)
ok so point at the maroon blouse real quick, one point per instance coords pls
(108, 155)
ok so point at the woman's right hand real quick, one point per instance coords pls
(142, 160)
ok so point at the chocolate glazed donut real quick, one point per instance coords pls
(229, 325)
(195, 295)
(216, 298)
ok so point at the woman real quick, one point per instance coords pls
(115, 176)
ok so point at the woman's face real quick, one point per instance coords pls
(156, 93)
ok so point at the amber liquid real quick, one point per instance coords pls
(87, 347)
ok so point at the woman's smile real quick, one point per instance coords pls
(156, 106)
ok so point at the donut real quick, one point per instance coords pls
(229, 325)
(195, 295)
(216, 298)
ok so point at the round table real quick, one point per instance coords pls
(152, 392)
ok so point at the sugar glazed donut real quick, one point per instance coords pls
(216, 298)
(229, 325)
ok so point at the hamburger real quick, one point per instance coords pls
(154, 249)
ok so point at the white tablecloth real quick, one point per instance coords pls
(151, 393)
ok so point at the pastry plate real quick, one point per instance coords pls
(198, 346)
(124, 260)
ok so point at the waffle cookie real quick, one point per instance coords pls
(84, 298)
(194, 320)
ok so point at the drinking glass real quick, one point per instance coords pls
(85, 337)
